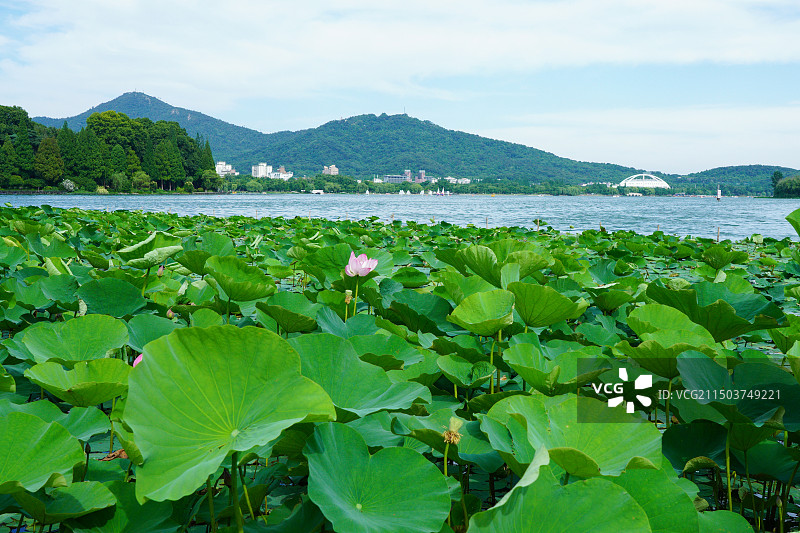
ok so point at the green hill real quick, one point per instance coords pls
(367, 145)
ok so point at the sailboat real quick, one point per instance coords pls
(719, 194)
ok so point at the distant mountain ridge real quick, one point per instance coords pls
(366, 145)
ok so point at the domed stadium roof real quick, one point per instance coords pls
(646, 181)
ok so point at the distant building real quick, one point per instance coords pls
(225, 170)
(262, 170)
(420, 177)
(397, 178)
(330, 171)
(281, 174)
(457, 181)
(377, 180)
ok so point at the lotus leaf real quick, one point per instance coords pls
(145, 328)
(81, 422)
(396, 489)
(240, 281)
(229, 389)
(607, 445)
(155, 241)
(292, 312)
(46, 460)
(463, 373)
(353, 385)
(110, 296)
(555, 377)
(127, 515)
(79, 339)
(61, 503)
(484, 313)
(540, 306)
(88, 383)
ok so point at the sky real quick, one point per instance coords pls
(678, 86)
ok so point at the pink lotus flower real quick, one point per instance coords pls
(138, 360)
(360, 266)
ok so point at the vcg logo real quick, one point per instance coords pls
(645, 381)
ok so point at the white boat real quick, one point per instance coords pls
(719, 194)
(367, 192)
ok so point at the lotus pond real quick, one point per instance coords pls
(164, 373)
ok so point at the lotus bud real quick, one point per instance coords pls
(170, 313)
(138, 359)
(348, 296)
(452, 436)
(160, 271)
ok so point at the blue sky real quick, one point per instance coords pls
(677, 86)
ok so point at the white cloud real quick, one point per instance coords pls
(678, 140)
(208, 55)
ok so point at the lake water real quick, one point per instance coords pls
(736, 218)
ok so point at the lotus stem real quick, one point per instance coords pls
(210, 495)
(728, 468)
(786, 491)
(491, 362)
(247, 497)
(455, 391)
(146, 279)
(355, 300)
(237, 509)
(447, 449)
(499, 340)
(229, 310)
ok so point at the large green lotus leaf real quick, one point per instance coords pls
(785, 338)
(360, 324)
(156, 240)
(463, 373)
(88, 383)
(211, 242)
(80, 339)
(484, 313)
(61, 503)
(612, 442)
(699, 444)
(660, 349)
(529, 261)
(396, 489)
(327, 264)
(718, 257)
(669, 509)
(739, 397)
(194, 261)
(387, 351)
(111, 296)
(544, 506)
(422, 311)
(293, 312)
(651, 318)
(541, 306)
(240, 281)
(304, 517)
(35, 454)
(483, 262)
(794, 219)
(459, 287)
(228, 388)
(127, 515)
(410, 277)
(473, 447)
(82, 422)
(769, 461)
(723, 522)
(154, 257)
(555, 377)
(353, 385)
(145, 328)
(61, 289)
(724, 313)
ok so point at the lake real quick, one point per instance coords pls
(736, 218)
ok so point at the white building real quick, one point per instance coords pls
(281, 174)
(225, 170)
(262, 170)
(331, 170)
(647, 181)
(457, 181)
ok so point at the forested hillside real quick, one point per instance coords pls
(367, 145)
(112, 151)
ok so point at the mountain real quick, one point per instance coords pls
(227, 140)
(367, 145)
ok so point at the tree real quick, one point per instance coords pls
(788, 188)
(132, 162)
(119, 162)
(140, 180)
(24, 150)
(8, 162)
(776, 177)
(207, 158)
(48, 164)
(120, 182)
(210, 181)
(67, 146)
